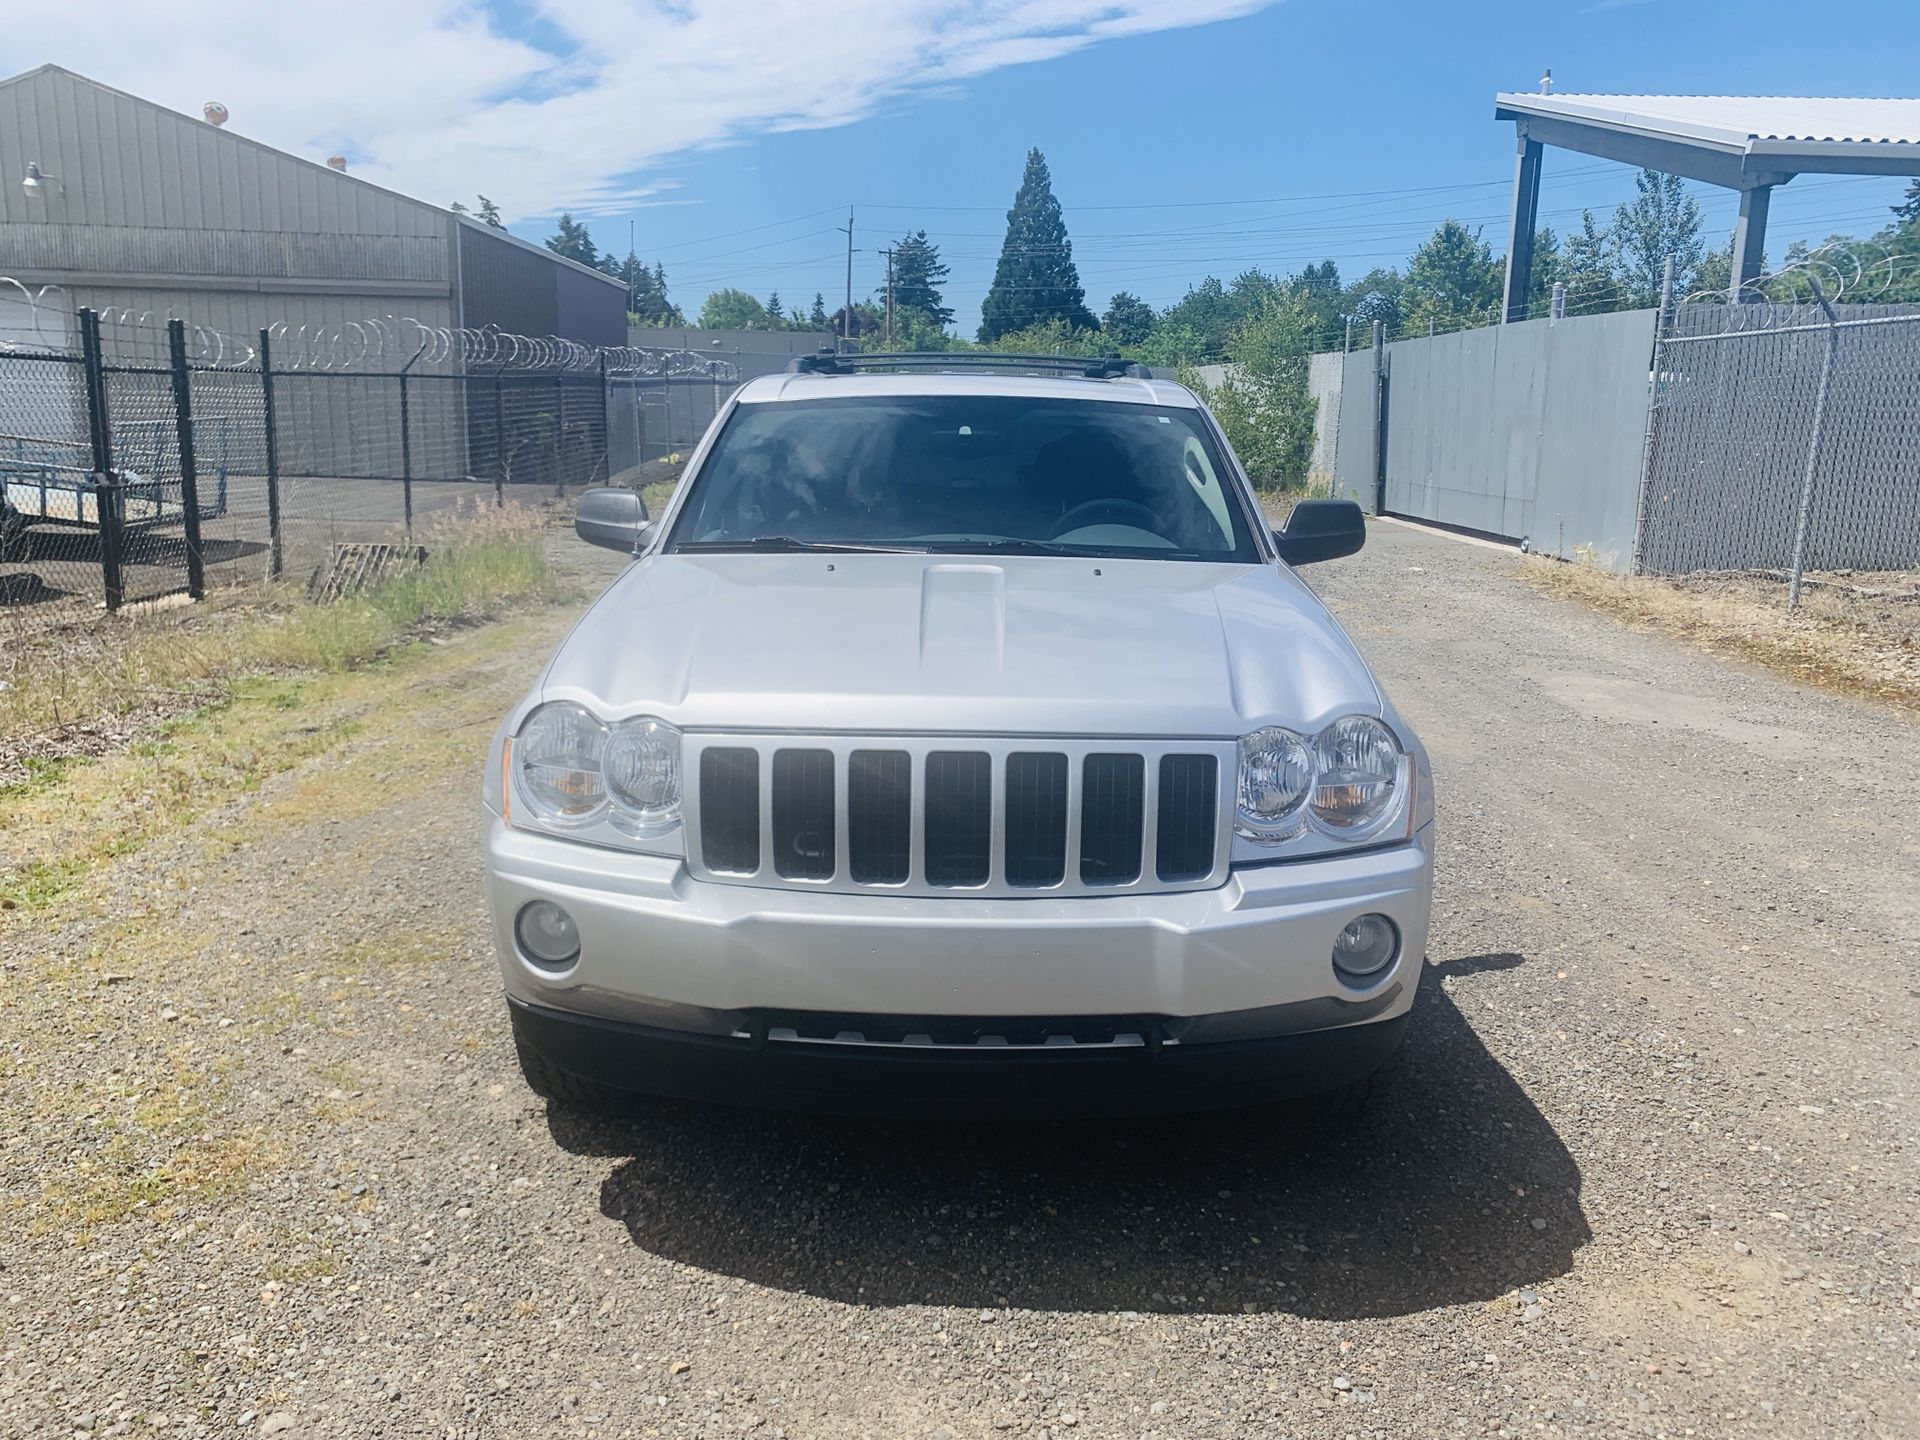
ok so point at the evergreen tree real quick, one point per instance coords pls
(1663, 220)
(1035, 280)
(1452, 282)
(918, 274)
(1908, 210)
(573, 241)
(490, 214)
(776, 312)
(817, 317)
(647, 302)
(457, 208)
(1128, 321)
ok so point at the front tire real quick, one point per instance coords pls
(561, 1088)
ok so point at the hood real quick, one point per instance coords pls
(898, 643)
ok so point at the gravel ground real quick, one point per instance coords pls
(1648, 1166)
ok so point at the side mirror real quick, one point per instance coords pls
(1321, 530)
(614, 517)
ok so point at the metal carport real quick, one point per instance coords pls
(1745, 143)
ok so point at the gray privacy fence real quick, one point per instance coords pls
(1755, 438)
(139, 460)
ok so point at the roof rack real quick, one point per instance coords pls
(829, 362)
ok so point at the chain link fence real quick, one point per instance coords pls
(140, 460)
(1784, 442)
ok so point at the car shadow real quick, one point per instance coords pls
(1452, 1188)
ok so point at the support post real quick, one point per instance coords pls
(1559, 311)
(189, 473)
(1379, 417)
(1749, 241)
(406, 458)
(1520, 226)
(500, 445)
(106, 485)
(1805, 521)
(559, 435)
(276, 555)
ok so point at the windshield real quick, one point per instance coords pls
(967, 473)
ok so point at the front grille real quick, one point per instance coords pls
(959, 817)
(925, 817)
(1185, 848)
(1111, 798)
(803, 814)
(880, 816)
(1036, 818)
(730, 809)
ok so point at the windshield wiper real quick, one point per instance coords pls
(794, 545)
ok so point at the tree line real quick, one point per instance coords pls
(1262, 325)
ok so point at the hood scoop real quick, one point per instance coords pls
(963, 619)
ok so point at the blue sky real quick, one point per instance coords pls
(1185, 137)
(1311, 98)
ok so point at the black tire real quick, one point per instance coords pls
(562, 1088)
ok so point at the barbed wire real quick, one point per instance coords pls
(1846, 272)
(375, 344)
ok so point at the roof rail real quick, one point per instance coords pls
(828, 362)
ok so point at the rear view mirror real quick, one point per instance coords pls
(1321, 530)
(613, 517)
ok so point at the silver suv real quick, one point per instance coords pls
(958, 739)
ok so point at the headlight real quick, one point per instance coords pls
(1343, 784)
(1276, 774)
(642, 772)
(1359, 770)
(558, 755)
(605, 784)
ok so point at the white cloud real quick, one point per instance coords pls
(441, 100)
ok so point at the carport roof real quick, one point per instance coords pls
(1731, 140)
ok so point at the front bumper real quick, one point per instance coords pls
(830, 1077)
(675, 956)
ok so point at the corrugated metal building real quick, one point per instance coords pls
(147, 209)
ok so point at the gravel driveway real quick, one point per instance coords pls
(1648, 1167)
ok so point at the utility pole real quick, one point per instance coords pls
(846, 315)
(888, 252)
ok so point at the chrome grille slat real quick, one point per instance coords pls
(979, 816)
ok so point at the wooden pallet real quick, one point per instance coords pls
(355, 565)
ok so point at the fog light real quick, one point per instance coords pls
(547, 934)
(1366, 946)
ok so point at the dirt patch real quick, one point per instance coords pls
(1854, 633)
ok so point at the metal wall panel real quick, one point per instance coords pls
(1528, 431)
(518, 288)
(122, 161)
(1325, 373)
(1355, 458)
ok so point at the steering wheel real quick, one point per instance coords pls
(1108, 512)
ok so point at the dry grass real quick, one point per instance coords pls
(1856, 635)
(96, 686)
